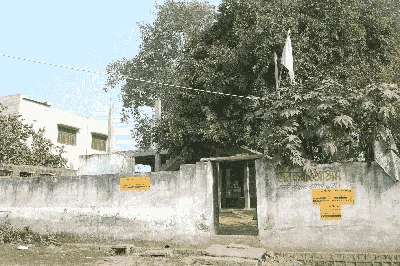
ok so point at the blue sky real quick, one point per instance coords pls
(84, 34)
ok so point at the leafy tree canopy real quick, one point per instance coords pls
(346, 68)
(158, 59)
(15, 149)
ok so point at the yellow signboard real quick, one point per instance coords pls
(331, 200)
(135, 183)
(329, 211)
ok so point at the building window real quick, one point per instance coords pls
(99, 141)
(67, 135)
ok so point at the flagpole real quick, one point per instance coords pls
(280, 78)
(276, 74)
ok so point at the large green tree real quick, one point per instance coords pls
(343, 53)
(15, 148)
(161, 51)
(345, 57)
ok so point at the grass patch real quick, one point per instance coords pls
(11, 235)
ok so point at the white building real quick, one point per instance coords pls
(79, 134)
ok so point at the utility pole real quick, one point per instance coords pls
(157, 159)
(110, 141)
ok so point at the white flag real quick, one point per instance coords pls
(388, 159)
(287, 57)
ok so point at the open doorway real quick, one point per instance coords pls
(236, 198)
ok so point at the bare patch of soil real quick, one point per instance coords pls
(238, 222)
(50, 255)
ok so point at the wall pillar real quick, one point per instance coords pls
(133, 163)
(246, 186)
(152, 168)
(212, 178)
(228, 182)
(219, 173)
(157, 162)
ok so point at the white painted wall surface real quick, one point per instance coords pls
(42, 116)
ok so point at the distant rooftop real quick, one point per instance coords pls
(46, 103)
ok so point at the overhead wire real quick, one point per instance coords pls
(136, 79)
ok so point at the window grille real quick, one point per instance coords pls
(67, 135)
(99, 142)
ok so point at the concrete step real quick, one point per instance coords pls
(236, 251)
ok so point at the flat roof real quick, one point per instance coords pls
(140, 153)
(42, 103)
(238, 157)
(47, 104)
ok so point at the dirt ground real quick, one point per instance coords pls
(50, 255)
(156, 261)
(75, 254)
(237, 222)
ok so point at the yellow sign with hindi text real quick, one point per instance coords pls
(135, 183)
(331, 200)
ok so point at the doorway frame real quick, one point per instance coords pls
(217, 184)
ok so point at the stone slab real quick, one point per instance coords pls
(241, 252)
(222, 261)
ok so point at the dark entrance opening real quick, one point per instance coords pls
(236, 198)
